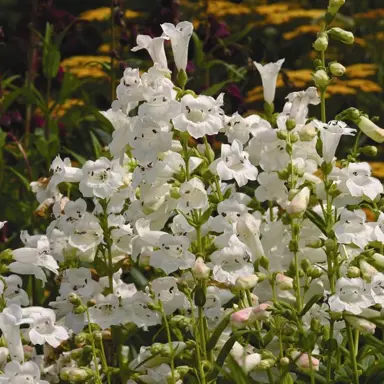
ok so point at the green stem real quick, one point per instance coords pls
(311, 371)
(47, 113)
(322, 93)
(295, 241)
(355, 149)
(329, 358)
(352, 353)
(104, 361)
(94, 352)
(169, 342)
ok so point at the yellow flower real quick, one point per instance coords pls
(365, 86)
(302, 30)
(104, 13)
(86, 66)
(361, 70)
(377, 169)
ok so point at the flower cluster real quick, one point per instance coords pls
(260, 260)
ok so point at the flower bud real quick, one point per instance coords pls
(79, 309)
(182, 78)
(337, 69)
(342, 35)
(321, 43)
(282, 135)
(360, 324)
(284, 361)
(266, 364)
(242, 318)
(330, 245)
(371, 129)
(315, 243)
(321, 79)
(264, 262)
(302, 360)
(262, 276)
(200, 269)
(172, 379)
(306, 265)
(183, 369)
(367, 270)
(284, 282)
(353, 272)
(175, 193)
(74, 299)
(369, 150)
(75, 374)
(378, 259)
(261, 312)
(307, 132)
(334, 6)
(246, 282)
(290, 124)
(299, 203)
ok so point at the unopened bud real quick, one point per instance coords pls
(369, 150)
(264, 262)
(182, 78)
(284, 361)
(290, 124)
(360, 324)
(200, 270)
(79, 309)
(282, 135)
(284, 282)
(353, 272)
(262, 312)
(330, 245)
(337, 69)
(367, 270)
(242, 318)
(315, 243)
(246, 282)
(378, 259)
(175, 193)
(342, 35)
(321, 43)
(74, 299)
(335, 5)
(266, 364)
(75, 374)
(371, 129)
(183, 369)
(307, 132)
(302, 360)
(299, 203)
(321, 79)
(306, 265)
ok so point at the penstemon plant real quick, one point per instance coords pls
(255, 266)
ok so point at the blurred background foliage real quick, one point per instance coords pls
(60, 61)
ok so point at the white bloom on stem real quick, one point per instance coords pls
(299, 203)
(14, 292)
(378, 230)
(154, 46)
(352, 228)
(362, 325)
(106, 312)
(360, 183)
(179, 36)
(302, 361)
(271, 188)
(377, 288)
(10, 320)
(240, 128)
(200, 270)
(331, 134)
(248, 232)
(101, 178)
(245, 357)
(2, 223)
(74, 211)
(43, 329)
(298, 102)
(234, 164)
(269, 73)
(199, 116)
(165, 290)
(193, 195)
(63, 172)
(31, 261)
(172, 254)
(242, 318)
(26, 373)
(352, 295)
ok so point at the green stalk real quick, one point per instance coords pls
(311, 371)
(352, 353)
(94, 351)
(169, 342)
(47, 112)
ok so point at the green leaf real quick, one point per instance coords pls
(80, 159)
(51, 62)
(3, 136)
(216, 88)
(9, 80)
(230, 67)
(313, 300)
(138, 277)
(96, 145)
(217, 332)
(22, 178)
(199, 53)
(317, 220)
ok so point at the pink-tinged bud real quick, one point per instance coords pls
(246, 282)
(299, 203)
(200, 269)
(361, 325)
(367, 270)
(261, 312)
(284, 283)
(302, 360)
(371, 129)
(242, 318)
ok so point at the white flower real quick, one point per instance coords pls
(360, 183)
(165, 290)
(378, 230)
(101, 178)
(179, 36)
(271, 188)
(30, 261)
(63, 172)
(199, 116)
(10, 320)
(172, 254)
(2, 223)
(106, 312)
(245, 357)
(299, 203)
(297, 105)
(239, 128)
(26, 373)
(192, 196)
(351, 295)
(234, 164)
(352, 228)
(43, 329)
(74, 211)
(377, 288)
(319, 312)
(148, 139)
(330, 136)
(371, 129)
(14, 292)
(248, 232)
(138, 312)
(154, 46)
(268, 75)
